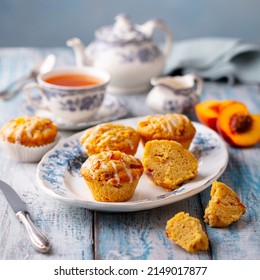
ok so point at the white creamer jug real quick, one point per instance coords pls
(178, 94)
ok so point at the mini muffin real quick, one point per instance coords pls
(28, 138)
(175, 127)
(187, 232)
(168, 164)
(112, 176)
(110, 137)
(224, 208)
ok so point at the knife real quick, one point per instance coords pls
(38, 239)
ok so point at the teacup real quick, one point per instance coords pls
(71, 93)
(178, 94)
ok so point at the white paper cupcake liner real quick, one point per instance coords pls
(27, 154)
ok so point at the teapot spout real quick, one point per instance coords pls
(79, 50)
(179, 82)
(165, 81)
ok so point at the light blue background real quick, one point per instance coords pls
(48, 23)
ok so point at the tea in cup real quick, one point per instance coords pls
(71, 93)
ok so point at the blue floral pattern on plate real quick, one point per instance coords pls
(70, 157)
(58, 173)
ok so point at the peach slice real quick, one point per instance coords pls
(208, 111)
(237, 126)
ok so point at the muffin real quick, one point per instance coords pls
(175, 127)
(187, 232)
(168, 164)
(224, 208)
(28, 138)
(110, 137)
(112, 176)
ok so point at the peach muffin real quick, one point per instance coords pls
(29, 131)
(27, 139)
(112, 176)
(168, 164)
(175, 127)
(224, 207)
(108, 136)
(187, 232)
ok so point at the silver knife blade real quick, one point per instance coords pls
(12, 197)
(38, 239)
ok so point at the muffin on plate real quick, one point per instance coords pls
(187, 232)
(175, 127)
(168, 164)
(112, 176)
(27, 139)
(224, 208)
(108, 136)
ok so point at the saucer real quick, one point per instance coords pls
(113, 108)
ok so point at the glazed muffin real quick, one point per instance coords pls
(224, 208)
(27, 139)
(187, 232)
(112, 176)
(110, 137)
(175, 127)
(29, 131)
(168, 164)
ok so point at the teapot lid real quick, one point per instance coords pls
(121, 31)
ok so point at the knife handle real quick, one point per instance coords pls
(39, 240)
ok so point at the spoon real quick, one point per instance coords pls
(40, 67)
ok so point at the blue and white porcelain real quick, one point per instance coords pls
(127, 52)
(71, 103)
(58, 173)
(177, 94)
(113, 107)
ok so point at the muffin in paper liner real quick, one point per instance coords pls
(23, 153)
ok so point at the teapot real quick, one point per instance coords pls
(177, 94)
(127, 52)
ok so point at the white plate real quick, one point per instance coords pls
(113, 108)
(58, 173)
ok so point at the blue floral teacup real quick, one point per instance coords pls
(71, 93)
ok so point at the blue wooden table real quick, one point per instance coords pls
(78, 233)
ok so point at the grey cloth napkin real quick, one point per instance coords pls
(215, 58)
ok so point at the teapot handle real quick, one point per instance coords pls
(149, 27)
(199, 84)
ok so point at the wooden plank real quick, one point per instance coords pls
(241, 239)
(141, 235)
(68, 228)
